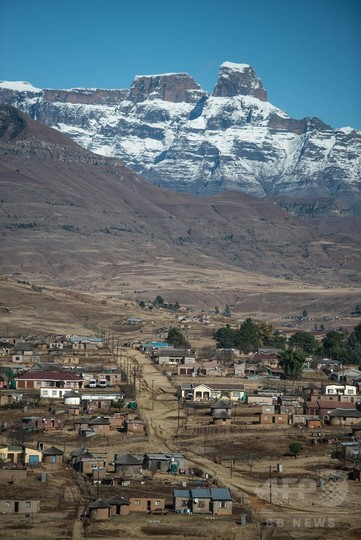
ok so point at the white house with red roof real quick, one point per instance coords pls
(50, 384)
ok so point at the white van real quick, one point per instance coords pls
(103, 383)
(92, 383)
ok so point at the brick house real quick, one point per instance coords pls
(134, 426)
(128, 465)
(146, 504)
(162, 462)
(50, 384)
(85, 462)
(104, 509)
(324, 408)
(216, 501)
(26, 506)
(53, 455)
(99, 425)
(98, 510)
(344, 417)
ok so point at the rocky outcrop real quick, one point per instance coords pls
(173, 87)
(239, 80)
(84, 96)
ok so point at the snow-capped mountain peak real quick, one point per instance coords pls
(239, 79)
(173, 133)
(19, 86)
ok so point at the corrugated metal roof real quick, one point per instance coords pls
(221, 494)
(200, 493)
(181, 493)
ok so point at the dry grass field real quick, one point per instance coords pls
(25, 309)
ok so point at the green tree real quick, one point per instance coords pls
(303, 341)
(304, 313)
(357, 333)
(278, 340)
(226, 337)
(227, 311)
(292, 362)
(295, 448)
(333, 344)
(249, 340)
(159, 301)
(176, 305)
(176, 338)
(265, 332)
(269, 336)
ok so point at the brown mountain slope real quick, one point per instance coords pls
(75, 219)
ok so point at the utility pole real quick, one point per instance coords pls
(270, 484)
(152, 395)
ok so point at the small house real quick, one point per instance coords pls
(216, 501)
(31, 456)
(134, 426)
(350, 450)
(146, 504)
(99, 425)
(98, 510)
(127, 465)
(119, 506)
(344, 417)
(17, 506)
(53, 455)
(161, 462)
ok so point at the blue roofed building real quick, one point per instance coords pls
(216, 501)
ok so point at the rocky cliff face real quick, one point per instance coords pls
(239, 80)
(174, 134)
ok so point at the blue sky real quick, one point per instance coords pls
(307, 52)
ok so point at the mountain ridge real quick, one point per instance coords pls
(174, 134)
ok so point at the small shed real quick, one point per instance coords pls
(53, 455)
(219, 406)
(222, 419)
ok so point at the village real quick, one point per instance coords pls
(119, 436)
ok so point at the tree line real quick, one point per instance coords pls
(252, 334)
